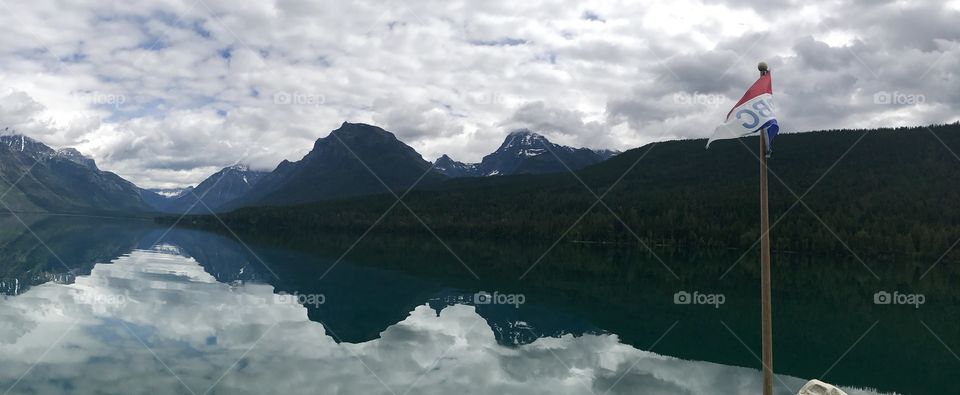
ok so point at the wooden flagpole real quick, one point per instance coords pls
(767, 315)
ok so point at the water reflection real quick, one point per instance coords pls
(190, 294)
(154, 321)
(71, 246)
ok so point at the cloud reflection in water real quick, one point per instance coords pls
(240, 339)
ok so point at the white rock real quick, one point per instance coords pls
(817, 387)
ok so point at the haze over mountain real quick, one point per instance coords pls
(35, 177)
(524, 152)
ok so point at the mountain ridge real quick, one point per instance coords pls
(213, 192)
(38, 178)
(677, 194)
(340, 166)
(524, 152)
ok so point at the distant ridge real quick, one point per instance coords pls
(524, 152)
(212, 193)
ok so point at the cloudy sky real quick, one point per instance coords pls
(165, 92)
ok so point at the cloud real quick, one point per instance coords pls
(565, 126)
(166, 92)
(414, 121)
(20, 112)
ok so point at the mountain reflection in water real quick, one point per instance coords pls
(594, 306)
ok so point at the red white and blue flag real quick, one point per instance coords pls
(752, 114)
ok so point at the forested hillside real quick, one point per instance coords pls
(886, 191)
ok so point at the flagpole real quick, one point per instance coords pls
(766, 309)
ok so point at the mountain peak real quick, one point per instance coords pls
(221, 187)
(353, 129)
(522, 132)
(353, 135)
(355, 159)
(237, 167)
(75, 156)
(524, 138)
(39, 151)
(42, 152)
(447, 166)
(523, 151)
(19, 142)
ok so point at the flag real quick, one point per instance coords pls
(752, 114)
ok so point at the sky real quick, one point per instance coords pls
(166, 92)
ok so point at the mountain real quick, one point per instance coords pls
(155, 200)
(82, 241)
(451, 168)
(49, 180)
(161, 198)
(332, 170)
(524, 152)
(880, 193)
(223, 186)
(75, 156)
(171, 193)
(607, 153)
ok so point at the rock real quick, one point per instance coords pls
(817, 387)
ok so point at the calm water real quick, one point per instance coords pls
(118, 306)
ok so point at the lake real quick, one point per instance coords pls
(128, 306)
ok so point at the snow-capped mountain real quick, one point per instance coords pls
(171, 193)
(161, 198)
(451, 168)
(223, 186)
(607, 153)
(27, 146)
(524, 152)
(60, 180)
(41, 152)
